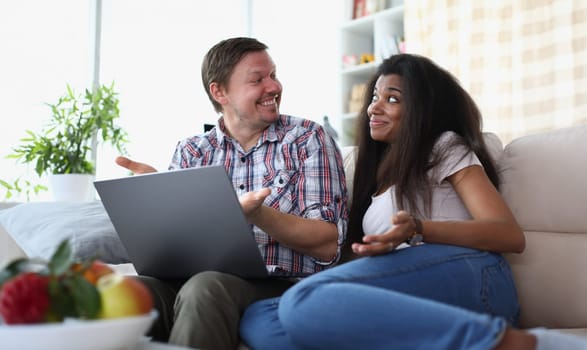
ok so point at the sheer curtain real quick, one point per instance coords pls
(524, 62)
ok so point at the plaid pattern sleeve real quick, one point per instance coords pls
(299, 162)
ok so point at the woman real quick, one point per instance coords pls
(428, 226)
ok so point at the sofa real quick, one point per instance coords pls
(544, 181)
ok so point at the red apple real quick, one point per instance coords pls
(123, 296)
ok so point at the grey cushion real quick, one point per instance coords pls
(39, 227)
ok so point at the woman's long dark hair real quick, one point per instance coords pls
(432, 102)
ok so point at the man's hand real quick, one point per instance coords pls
(313, 237)
(135, 167)
(251, 202)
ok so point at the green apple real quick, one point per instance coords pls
(123, 296)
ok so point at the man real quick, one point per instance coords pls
(289, 176)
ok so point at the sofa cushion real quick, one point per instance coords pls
(39, 227)
(544, 180)
(349, 157)
(9, 249)
(550, 280)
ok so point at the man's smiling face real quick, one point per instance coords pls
(253, 92)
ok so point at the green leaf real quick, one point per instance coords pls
(86, 297)
(12, 269)
(62, 259)
(6, 184)
(21, 265)
(62, 305)
(73, 296)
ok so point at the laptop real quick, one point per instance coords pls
(175, 224)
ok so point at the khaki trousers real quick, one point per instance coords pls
(204, 311)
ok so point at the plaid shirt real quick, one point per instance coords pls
(298, 161)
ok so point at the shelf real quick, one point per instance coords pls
(363, 24)
(377, 34)
(360, 25)
(361, 69)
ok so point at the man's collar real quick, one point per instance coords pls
(273, 133)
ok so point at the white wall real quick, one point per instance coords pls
(303, 38)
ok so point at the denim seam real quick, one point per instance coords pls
(485, 300)
(405, 269)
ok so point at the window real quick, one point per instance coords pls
(152, 51)
(44, 46)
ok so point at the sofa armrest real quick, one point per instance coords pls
(9, 250)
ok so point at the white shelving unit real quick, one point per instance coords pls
(374, 34)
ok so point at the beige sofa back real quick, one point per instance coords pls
(544, 181)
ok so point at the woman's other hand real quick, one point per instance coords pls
(403, 227)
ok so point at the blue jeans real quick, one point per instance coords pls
(425, 297)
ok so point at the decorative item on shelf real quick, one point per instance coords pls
(374, 6)
(329, 128)
(63, 147)
(402, 45)
(388, 46)
(349, 61)
(357, 95)
(367, 58)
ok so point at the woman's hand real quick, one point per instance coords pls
(251, 202)
(403, 228)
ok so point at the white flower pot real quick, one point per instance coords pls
(72, 187)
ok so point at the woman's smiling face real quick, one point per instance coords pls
(385, 111)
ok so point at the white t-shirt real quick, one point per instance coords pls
(446, 204)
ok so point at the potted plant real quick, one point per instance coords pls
(67, 144)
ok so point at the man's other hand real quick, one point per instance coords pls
(135, 167)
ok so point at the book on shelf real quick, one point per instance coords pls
(359, 8)
(387, 45)
(362, 8)
(357, 97)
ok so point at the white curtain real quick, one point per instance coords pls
(524, 61)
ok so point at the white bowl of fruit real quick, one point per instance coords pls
(65, 304)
